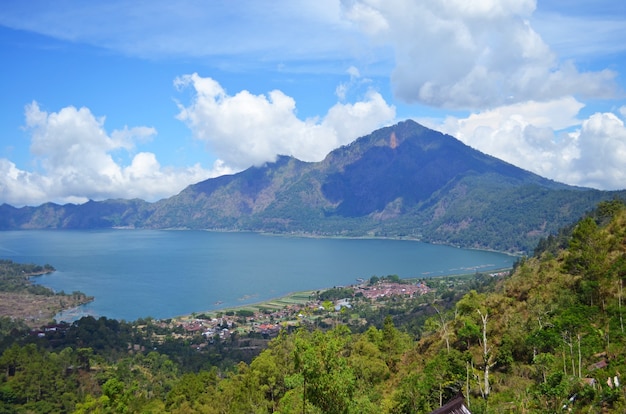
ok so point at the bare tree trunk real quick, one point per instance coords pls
(580, 360)
(619, 301)
(478, 382)
(486, 353)
(440, 395)
(467, 386)
(304, 395)
(444, 328)
(567, 338)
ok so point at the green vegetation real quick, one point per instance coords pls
(550, 337)
(336, 293)
(389, 278)
(15, 277)
(426, 186)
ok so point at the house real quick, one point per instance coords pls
(454, 406)
(598, 365)
(343, 303)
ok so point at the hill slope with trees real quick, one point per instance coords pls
(549, 337)
(400, 181)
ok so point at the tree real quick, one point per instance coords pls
(193, 391)
(442, 325)
(327, 380)
(273, 366)
(473, 304)
(487, 353)
(445, 374)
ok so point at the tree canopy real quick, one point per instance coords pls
(547, 338)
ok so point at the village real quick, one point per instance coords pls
(264, 321)
(253, 325)
(267, 320)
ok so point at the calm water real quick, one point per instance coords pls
(139, 273)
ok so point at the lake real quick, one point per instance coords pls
(167, 273)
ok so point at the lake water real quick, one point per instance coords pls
(139, 273)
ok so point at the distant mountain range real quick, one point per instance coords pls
(400, 181)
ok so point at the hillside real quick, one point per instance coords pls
(400, 181)
(552, 334)
(550, 337)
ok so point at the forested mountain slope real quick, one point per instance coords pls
(547, 338)
(400, 181)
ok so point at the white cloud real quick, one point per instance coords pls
(547, 138)
(602, 146)
(73, 153)
(75, 158)
(19, 187)
(479, 54)
(245, 129)
(499, 58)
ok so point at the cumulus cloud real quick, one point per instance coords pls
(75, 159)
(602, 152)
(549, 139)
(73, 155)
(462, 54)
(246, 129)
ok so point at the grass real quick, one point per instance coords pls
(272, 305)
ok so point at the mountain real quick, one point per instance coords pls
(90, 215)
(400, 181)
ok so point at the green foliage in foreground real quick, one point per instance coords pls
(549, 338)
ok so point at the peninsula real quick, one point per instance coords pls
(34, 304)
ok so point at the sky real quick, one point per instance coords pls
(139, 99)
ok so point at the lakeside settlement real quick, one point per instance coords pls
(310, 307)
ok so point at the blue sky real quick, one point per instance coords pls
(140, 99)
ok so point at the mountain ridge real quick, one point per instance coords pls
(403, 180)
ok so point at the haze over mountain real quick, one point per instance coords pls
(400, 181)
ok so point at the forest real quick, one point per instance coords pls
(548, 337)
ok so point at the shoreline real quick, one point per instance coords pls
(23, 298)
(277, 303)
(396, 238)
(305, 235)
(272, 304)
(298, 297)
